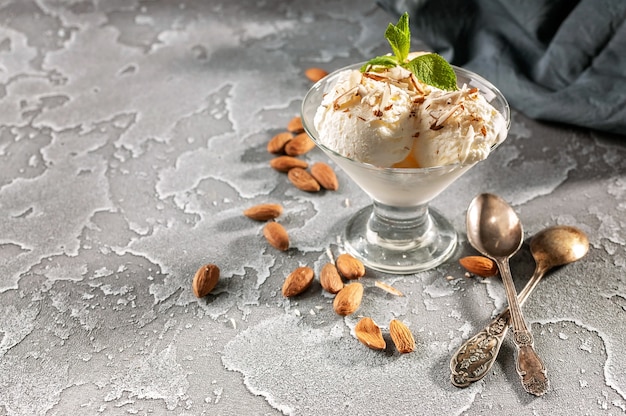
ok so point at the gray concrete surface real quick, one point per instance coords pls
(132, 136)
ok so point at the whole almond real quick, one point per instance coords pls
(298, 281)
(330, 279)
(348, 299)
(325, 175)
(370, 334)
(295, 125)
(264, 212)
(315, 74)
(205, 280)
(401, 336)
(286, 163)
(479, 265)
(350, 267)
(277, 143)
(276, 235)
(303, 180)
(299, 145)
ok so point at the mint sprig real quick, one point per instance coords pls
(433, 70)
(430, 68)
(399, 37)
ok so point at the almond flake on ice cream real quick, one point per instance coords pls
(391, 119)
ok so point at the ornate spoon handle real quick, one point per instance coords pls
(529, 366)
(476, 356)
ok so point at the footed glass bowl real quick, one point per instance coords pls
(399, 233)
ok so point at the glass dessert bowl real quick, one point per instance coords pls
(399, 233)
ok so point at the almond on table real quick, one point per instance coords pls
(276, 235)
(276, 145)
(295, 125)
(401, 336)
(315, 74)
(264, 212)
(205, 280)
(325, 175)
(298, 281)
(299, 145)
(330, 279)
(286, 163)
(370, 334)
(303, 180)
(348, 300)
(350, 267)
(479, 265)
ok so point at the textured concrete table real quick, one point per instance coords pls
(132, 136)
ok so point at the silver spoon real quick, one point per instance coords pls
(495, 230)
(551, 247)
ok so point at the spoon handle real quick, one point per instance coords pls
(529, 366)
(476, 356)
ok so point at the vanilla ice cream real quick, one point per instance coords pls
(391, 119)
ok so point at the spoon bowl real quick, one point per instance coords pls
(493, 228)
(558, 245)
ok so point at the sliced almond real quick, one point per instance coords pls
(315, 74)
(299, 145)
(350, 267)
(298, 281)
(388, 288)
(286, 163)
(205, 280)
(303, 180)
(370, 334)
(330, 279)
(347, 99)
(295, 125)
(401, 336)
(479, 265)
(277, 143)
(276, 235)
(264, 212)
(348, 299)
(325, 175)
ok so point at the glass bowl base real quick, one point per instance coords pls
(401, 248)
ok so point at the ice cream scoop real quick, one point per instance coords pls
(388, 118)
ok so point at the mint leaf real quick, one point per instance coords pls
(386, 61)
(399, 37)
(433, 70)
(430, 68)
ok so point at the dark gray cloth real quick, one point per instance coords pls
(559, 60)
